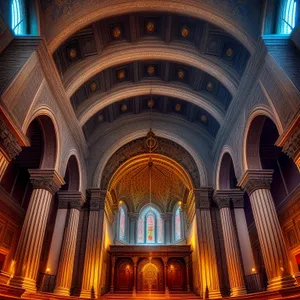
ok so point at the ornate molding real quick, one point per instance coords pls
(70, 199)
(46, 179)
(256, 179)
(8, 142)
(203, 198)
(136, 147)
(223, 198)
(97, 199)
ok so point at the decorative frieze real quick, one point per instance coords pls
(70, 199)
(8, 142)
(224, 197)
(46, 179)
(255, 180)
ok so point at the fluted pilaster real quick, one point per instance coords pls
(235, 272)
(3, 164)
(65, 269)
(208, 262)
(45, 183)
(91, 273)
(257, 184)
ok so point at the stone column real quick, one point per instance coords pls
(9, 147)
(235, 272)
(187, 266)
(133, 217)
(208, 262)
(165, 261)
(135, 261)
(257, 184)
(167, 217)
(74, 201)
(112, 280)
(45, 184)
(91, 273)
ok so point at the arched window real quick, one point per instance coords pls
(178, 224)
(150, 227)
(287, 16)
(17, 17)
(122, 223)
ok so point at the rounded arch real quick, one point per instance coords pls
(65, 28)
(51, 136)
(254, 126)
(225, 169)
(72, 175)
(142, 133)
(97, 103)
(86, 69)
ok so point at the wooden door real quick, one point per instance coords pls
(176, 275)
(124, 276)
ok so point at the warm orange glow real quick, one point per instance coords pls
(179, 203)
(120, 202)
(48, 270)
(253, 270)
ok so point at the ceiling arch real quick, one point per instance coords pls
(225, 14)
(98, 102)
(82, 71)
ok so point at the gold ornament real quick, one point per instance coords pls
(100, 118)
(150, 103)
(121, 74)
(150, 27)
(185, 31)
(180, 74)
(72, 53)
(229, 52)
(151, 70)
(116, 32)
(93, 86)
(210, 86)
(178, 107)
(124, 107)
(203, 119)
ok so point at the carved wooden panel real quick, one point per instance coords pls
(176, 275)
(124, 276)
(150, 275)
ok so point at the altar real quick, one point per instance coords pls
(144, 268)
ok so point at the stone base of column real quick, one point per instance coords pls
(90, 294)
(62, 291)
(28, 284)
(214, 295)
(238, 291)
(281, 282)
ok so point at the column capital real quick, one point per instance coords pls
(203, 197)
(46, 179)
(8, 142)
(70, 199)
(97, 199)
(256, 179)
(223, 198)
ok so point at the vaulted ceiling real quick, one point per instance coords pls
(188, 67)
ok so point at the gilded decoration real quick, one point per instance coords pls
(178, 107)
(151, 70)
(180, 74)
(121, 74)
(150, 26)
(137, 147)
(124, 107)
(229, 52)
(184, 31)
(116, 32)
(72, 53)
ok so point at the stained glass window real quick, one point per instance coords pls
(177, 224)
(122, 224)
(16, 16)
(150, 228)
(288, 17)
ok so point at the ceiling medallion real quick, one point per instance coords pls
(210, 86)
(151, 70)
(93, 86)
(150, 103)
(151, 142)
(121, 74)
(116, 32)
(124, 107)
(180, 74)
(203, 119)
(100, 118)
(184, 31)
(150, 26)
(229, 52)
(72, 53)
(178, 107)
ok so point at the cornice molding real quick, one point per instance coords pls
(256, 179)
(203, 197)
(145, 50)
(46, 179)
(97, 199)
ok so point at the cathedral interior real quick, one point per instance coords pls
(150, 149)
